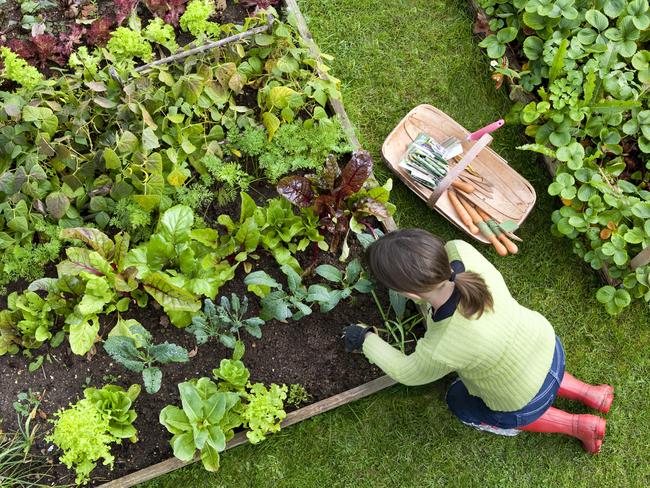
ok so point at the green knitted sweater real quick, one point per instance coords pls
(502, 357)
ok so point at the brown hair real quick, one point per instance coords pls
(415, 261)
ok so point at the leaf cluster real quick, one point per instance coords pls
(338, 196)
(130, 345)
(587, 69)
(225, 321)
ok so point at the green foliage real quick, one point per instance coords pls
(399, 330)
(129, 216)
(340, 197)
(195, 19)
(586, 67)
(264, 410)
(27, 261)
(349, 281)
(29, 320)
(276, 303)
(295, 146)
(16, 69)
(210, 411)
(275, 228)
(205, 423)
(103, 146)
(130, 345)
(160, 33)
(83, 434)
(297, 395)
(126, 44)
(175, 267)
(225, 321)
(114, 404)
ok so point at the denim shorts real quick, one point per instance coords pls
(472, 410)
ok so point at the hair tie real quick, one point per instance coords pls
(453, 276)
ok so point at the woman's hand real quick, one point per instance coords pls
(354, 335)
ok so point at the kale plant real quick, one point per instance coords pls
(225, 321)
(276, 303)
(136, 352)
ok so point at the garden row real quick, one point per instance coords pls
(586, 69)
(152, 192)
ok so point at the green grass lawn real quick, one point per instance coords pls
(391, 56)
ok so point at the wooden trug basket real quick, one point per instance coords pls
(511, 190)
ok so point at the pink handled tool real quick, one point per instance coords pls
(475, 136)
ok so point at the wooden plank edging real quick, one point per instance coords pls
(240, 438)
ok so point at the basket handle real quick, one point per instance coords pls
(641, 259)
(456, 170)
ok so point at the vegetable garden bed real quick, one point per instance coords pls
(306, 352)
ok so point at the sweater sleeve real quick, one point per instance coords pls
(418, 368)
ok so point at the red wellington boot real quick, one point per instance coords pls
(599, 397)
(590, 429)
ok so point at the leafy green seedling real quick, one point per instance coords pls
(225, 321)
(136, 353)
(351, 280)
(276, 303)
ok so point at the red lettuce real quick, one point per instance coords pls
(169, 10)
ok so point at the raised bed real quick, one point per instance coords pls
(311, 355)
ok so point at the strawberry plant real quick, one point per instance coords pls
(585, 70)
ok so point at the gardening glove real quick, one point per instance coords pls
(354, 335)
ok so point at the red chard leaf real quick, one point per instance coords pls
(296, 189)
(355, 173)
(370, 206)
(123, 9)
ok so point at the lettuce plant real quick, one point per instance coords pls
(114, 404)
(264, 410)
(205, 422)
(16, 69)
(136, 352)
(86, 430)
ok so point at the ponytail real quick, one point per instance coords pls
(474, 294)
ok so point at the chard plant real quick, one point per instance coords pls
(225, 321)
(338, 196)
(130, 345)
(347, 282)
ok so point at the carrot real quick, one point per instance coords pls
(483, 227)
(510, 246)
(462, 186)
(462, 213)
